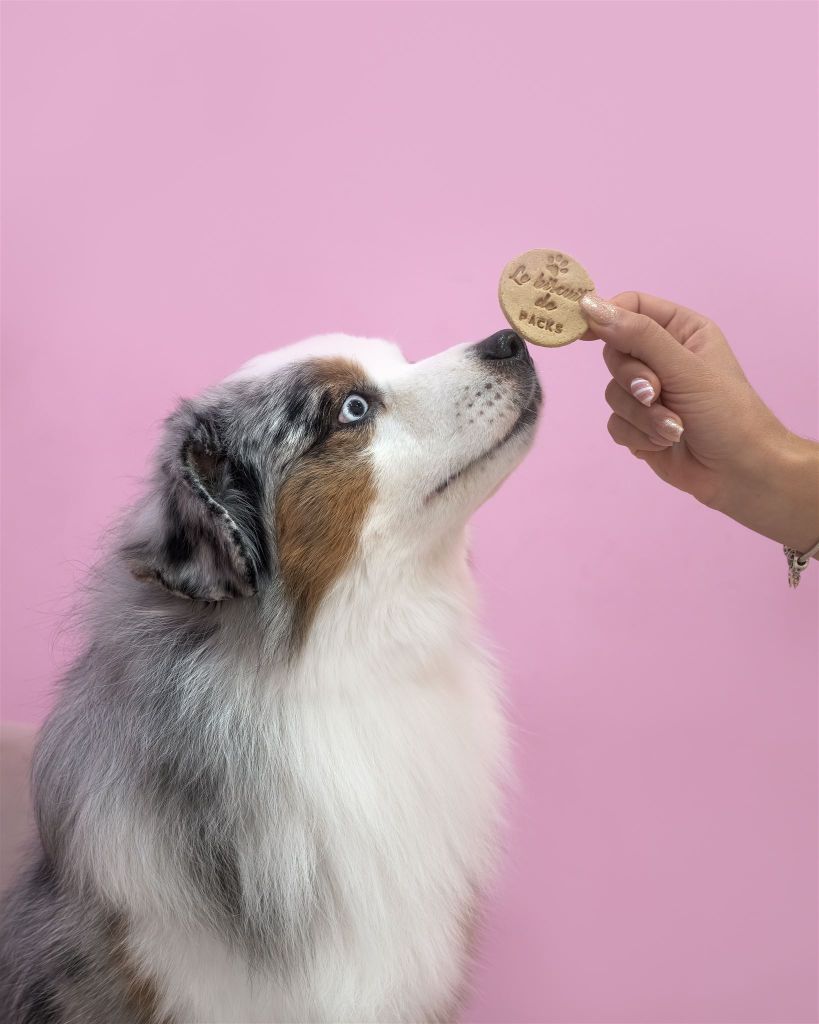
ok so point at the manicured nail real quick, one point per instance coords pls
(642, 390)
(670, 429)
(602, 312)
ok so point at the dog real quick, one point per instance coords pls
(270, 788)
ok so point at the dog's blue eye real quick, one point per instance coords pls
(355, 407)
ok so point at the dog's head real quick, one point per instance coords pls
(327, 452)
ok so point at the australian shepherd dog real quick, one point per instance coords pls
(270, 788)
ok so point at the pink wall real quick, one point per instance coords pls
(188, 184)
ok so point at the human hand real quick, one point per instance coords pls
(683, 405)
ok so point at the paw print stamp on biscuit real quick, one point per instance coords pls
(556, 264)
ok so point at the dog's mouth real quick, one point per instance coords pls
(526, 418)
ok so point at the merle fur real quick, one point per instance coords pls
(147, 716)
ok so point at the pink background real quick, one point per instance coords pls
(189, 184)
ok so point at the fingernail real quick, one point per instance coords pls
(670, 429)
(602, 312)
(642, 390)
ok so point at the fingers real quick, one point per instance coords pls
(679, 321)
(632, 375)
(638, 444)
(629, 436)
(637, 335)
(661, 426)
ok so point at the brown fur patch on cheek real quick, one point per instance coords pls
(322, 506)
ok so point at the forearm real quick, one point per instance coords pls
(775, 491)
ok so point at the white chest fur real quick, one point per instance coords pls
(398, 755)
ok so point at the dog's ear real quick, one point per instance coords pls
(202, 535)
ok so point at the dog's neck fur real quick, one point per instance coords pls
(390, 606)
(312, 845)
(390, 713)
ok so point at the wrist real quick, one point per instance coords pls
(774, 489)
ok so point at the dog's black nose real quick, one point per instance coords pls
(503, 345)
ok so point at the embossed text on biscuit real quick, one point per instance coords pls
(519, 275)
(544, 323)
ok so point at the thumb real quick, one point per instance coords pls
(637, 335)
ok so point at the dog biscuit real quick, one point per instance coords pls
(540, 294)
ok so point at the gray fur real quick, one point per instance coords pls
(149, 716)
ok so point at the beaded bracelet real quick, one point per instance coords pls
(797, 563)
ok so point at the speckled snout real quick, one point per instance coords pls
(507, 384)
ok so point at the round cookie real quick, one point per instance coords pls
(540, 294)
